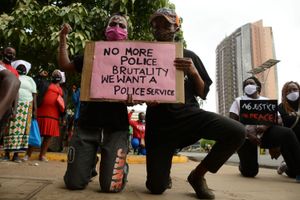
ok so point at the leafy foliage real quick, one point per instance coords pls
(32, 26)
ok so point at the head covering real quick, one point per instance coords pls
(62, 74)
(168, 14)
(63, 77)
(27, 65)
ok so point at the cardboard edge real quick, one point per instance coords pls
(180, 95)
(87, 74)
(87, 71)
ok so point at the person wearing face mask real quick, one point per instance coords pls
(289, 107)
(289, 110)
(9, 55)
(9, 87)
(48, 113)
(101, 125)
(57, 143)
(269, 137)
(16, 138)
(171, 126)
(138, 136)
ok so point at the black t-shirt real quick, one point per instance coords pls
(289, 120)
(166, 116)
(111, 115)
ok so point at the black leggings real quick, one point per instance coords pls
(276, 136)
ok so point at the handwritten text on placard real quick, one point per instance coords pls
(143, 69)
(254, 112)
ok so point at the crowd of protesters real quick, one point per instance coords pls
(90, 128)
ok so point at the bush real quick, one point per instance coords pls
(206, 144)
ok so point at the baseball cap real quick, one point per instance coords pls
(168, 14)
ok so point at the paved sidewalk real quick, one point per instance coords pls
(36, 180)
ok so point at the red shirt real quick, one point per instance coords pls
(137, 126)
(49, 106)
(10, 68)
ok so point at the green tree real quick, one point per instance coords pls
(32, 26)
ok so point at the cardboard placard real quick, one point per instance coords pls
(112, 70)
(256, 112)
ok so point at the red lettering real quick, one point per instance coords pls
(116, 185)
(120, 153)
(245, 115)
(253, 116)
(260, 117)
(118, 172)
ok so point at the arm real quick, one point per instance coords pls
(234, 116)
(234, 113)
(63, 57)
(34, 113)
(15, 106)
(287, 119)
(187, 65)
(9, 87)
(76, 97)
(131, 122)
(251, 132)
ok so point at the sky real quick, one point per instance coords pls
(207, 22)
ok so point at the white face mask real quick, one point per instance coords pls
(293, 96)
(250, 89)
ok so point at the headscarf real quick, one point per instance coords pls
(27, 65)
(62, 75)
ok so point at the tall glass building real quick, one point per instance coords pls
(247, 51)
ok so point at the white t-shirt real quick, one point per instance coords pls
(27, 87)
(235, 107)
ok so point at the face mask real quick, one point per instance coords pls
(293, 96)
(116, 33)
(8, 58)
(21, 70)
(56, 79)
(163, 35)
(250, 89)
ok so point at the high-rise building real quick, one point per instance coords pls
(247, 51)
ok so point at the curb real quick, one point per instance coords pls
(138, 159)
(131, 159)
